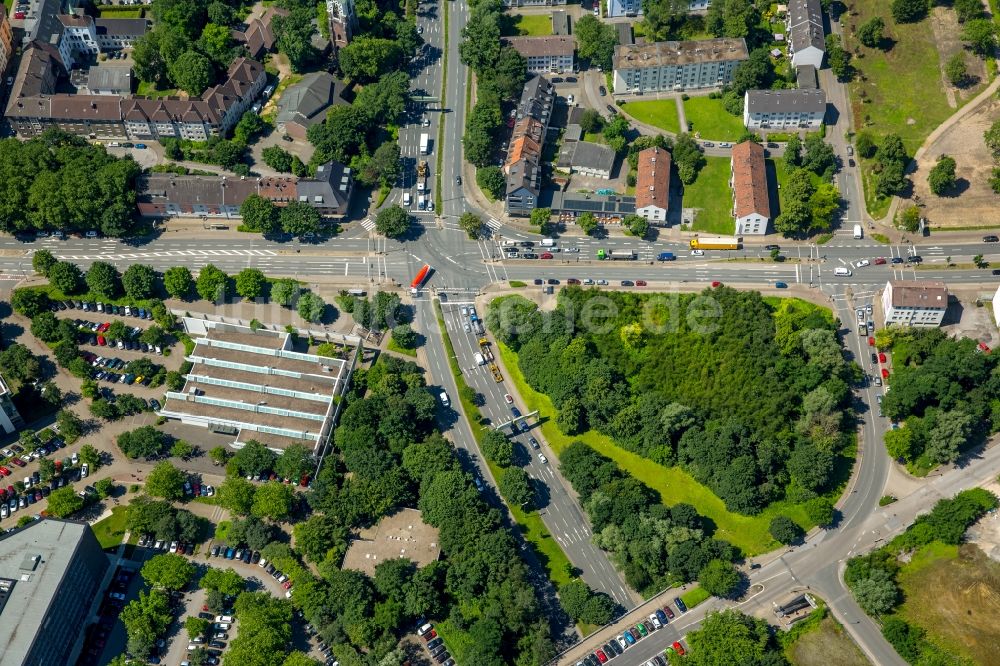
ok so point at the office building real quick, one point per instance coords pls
(790, 109)
(51, 576)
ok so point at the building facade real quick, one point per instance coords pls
(914, 302)
(10, 418)
(748, 180)
(6, 41)
(792, 109)
(545, 55)
(343, 21)
(674, 66)
(652, 186)
(51, 576)
(624, 8)
(806, 37)
(523, 166)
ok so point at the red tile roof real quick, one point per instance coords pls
(750, 180)
(652, 187)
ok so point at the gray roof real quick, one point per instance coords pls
(805, 25)
(306, 101)
(573, 133)
(109, 78)
(599, 204)
(560, 22)
(665, 54)
(122, 27)
(34, 562)
(786, 101)
(42, 21)
(330, 188)
(625, 35)
(805, 77)
(587, 155)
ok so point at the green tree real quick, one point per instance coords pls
(178, 282)
(259, 213)
(472, 225)
(236, 494)
(949, 436)
(367, 58)
(384, 165)
(636, 225)
(197, 626)
(192, 72)
(909, 220)
(839, 58)
(227, 581)
(105, 487)
(591, 122)
(688, 157)
(219, 455)
(139, 282)
(793, 151)
(981, 36)
(719, 578)
(491, 181)
(70, 425)
(64, 502)
(784, 530)
(90, 455)
(583, 604)
(404, 336)
(66, 277)
(168, 571)
(595, 41)
(515, 486)
(42, 261)
(956, 70)
(322, 537)
(392, 222)
(29, 302)
(540, 218)
(908, 11)
(182, 449)
(294, 462)
(877, 593)
(250, 283)
(497, 447)
(724, 634)
(154, 335)
(820, 510)
(46, 469)
(871, 32)
(311, 307)
(588, 223)
(211, 284)
(299, 218)
(166, 481)
(273, 500)
(294, 37)
(45, 326)
(284, 291)
(942, 176)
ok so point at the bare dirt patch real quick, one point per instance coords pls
(827, 641)
(947, 37)
(974, 203)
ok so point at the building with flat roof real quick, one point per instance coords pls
(548, 54)
(251, 384)
(51, 575)
(748, 179)
(403, 534)
(305, 103)
(561, 22)
(806, 36)
(789, 109)
(669, 66)
(805, 77)
(533, 3)
(914, 302)
(652, 185)
(109, 80)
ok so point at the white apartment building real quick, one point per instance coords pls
(805, 34)
(546, 55)
(670, 66)
(794, 109)
(748, 180)
(914, 302)
(624, 8)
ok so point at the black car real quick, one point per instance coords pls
(612, 110)
(681, 606)
(991, 239)
(874, 358)
(603, 91)
(217, 644)
(529, 255)
(434, 643)
(915, 259)
(628, 283)
(438, 649)
(896, 260)
(70, 305)
(539, 281)
(444, 656)
(553, 281)
(458, 180)
(772, 247)
(996, 271)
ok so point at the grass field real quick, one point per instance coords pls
(816, 646)
(660, 113)
(532, 25)
(147, 89)
(394, 346)
(954, 595)
(710, 193)
(116, 11)
(708, 118)
(109, 532)
(695, 596)
(749, 533)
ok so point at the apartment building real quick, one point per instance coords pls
(6, 40)
(674, 66)
(10, 419)
(748, 180)
(624, 8)
(652, 187)
(84, 37)
(914, 302)
(533, 3)
(545, 55)
(792, 109)
(805, 34)
(523, 166)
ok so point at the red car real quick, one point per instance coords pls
(983, 347)
(4, 471)
(601, 657)
(546, 255)
(287, 584)
(430, 635)
(640, 283)
(304, 481)
(716, 283)
(101, 341)
(879, 261)
(572, 281)
(881, 357)
(19, 15)
(104, 327)
(678, 648)
(670, 613)
(17, 461)
(885, 373)
(871, 342)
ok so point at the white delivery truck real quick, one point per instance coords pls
(406, 199)
(858, 232)
(424, 143)
(479, 359)
(548, 242)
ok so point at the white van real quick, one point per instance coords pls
(479, 359)
(858, 232)
(444, 399)
(508, 243)
(406, 198)
(842, 271)
(548, 242)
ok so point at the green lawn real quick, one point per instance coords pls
(660, 113)
(532, 25)
(109, 532)
(749, 533)
(695, 596)
(147, 89)
(115, 11)
(708, 118)
(710, 193)
(394, 346)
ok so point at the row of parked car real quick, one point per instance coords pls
(250, 556)
(95, 306)
(633, 635)
(95, 333)
(112, 370)
(435, 645)
(215, 643)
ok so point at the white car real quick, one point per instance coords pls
(508, 398)
(84, 470)
(173, 546)
(542, 459)
(697, 253)
(863, 263)
(655, 620)
(75, 458)
(223, 618)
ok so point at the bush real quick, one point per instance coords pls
(784, 530)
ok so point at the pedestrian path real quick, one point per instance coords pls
(107, 255)
(368, 223)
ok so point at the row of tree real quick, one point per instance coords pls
(751, 401)
(808, 204)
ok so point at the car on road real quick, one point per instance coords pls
(602, 282)
(863, 263)
(868, 309)
(725, 144)
(140, 146)
(874, 358)
(708, 144)
(533, 442)
(991, 239)
(516, 412)
(612, 110)
(878, 381)
(697, 253)
(716, 283)
(628, 283)
(542, 459)
(780, 285)
(508, 398)
(896, 260)
(914, 259)
(552, 281)
(640, 283)
(546, 255)
(771, 248)
(458, 180)
(879, 261)
(602, 90)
